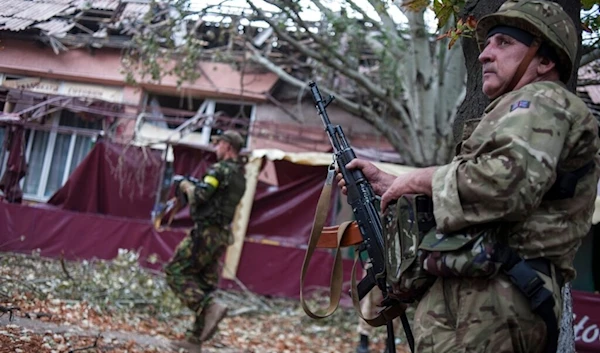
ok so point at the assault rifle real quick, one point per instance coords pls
(362, 199)
(174, 204)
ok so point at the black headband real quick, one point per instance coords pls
(517, 33)
(525, 38)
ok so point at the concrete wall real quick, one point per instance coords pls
(103, 66)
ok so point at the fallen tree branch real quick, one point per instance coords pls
(63, 265)
(9, 310)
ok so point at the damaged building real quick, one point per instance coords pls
(63, 86)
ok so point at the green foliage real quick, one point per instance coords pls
(588, 4)
(590, 20)
(447, 9)
(153, 53)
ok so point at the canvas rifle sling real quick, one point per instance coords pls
(336, 237)
(336, 280)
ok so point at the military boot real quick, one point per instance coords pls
(213, 314)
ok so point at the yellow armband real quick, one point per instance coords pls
(212, 181)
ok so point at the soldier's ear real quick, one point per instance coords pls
(545, 65)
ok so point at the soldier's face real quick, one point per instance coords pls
(500, 59)
(221, 149)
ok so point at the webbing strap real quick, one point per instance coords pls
(336, 280)
(346, 234)
(386, 315)
(524, 277)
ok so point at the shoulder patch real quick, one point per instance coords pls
(520, 104)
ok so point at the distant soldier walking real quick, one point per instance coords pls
(193, 272)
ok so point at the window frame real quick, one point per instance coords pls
(208, 107)
(39, 195)
(3, 156)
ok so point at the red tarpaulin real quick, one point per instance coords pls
(586, 308)
(113, 179)
(114, 213)
(264, 269)
(122, 181)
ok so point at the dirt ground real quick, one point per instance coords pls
(249, 333)
(49, 306)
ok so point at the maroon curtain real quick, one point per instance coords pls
(114, 179)
(285, 213)
(122, 181)
(16, 165)
(586, 308)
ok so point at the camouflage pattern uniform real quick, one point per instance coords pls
(505, 164)
(193, 272)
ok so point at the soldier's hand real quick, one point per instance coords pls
(177, 179)
(340, 179)
(418, 181)
(186, 186)
(379, 179)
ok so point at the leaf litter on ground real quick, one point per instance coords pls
(117, 306)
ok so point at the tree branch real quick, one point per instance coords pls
(322, 44)
(372, 88)
(589, 57)
(390, 29)
(357, 109)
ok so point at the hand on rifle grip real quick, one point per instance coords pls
(177, 179)
(379, 180)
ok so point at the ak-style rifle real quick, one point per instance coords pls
(174, 204)
(363, 201)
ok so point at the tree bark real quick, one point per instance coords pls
(475, 102)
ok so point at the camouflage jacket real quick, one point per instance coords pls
(216, 196)
(509, 159)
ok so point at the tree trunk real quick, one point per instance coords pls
(475, 102)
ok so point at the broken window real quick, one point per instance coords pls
(233, 116)
(53, 155)
(170, 112)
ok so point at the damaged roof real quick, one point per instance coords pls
(56, 16)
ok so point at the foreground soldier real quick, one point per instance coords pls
(193, 272)
(513, 172)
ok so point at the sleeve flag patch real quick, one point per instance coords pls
(520, 104)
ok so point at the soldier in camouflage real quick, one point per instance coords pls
(533, 132)
(193, 272)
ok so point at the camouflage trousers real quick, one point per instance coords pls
(476, 315)
(193, 272)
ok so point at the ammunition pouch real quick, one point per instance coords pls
(405, 224)
(416, 254)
